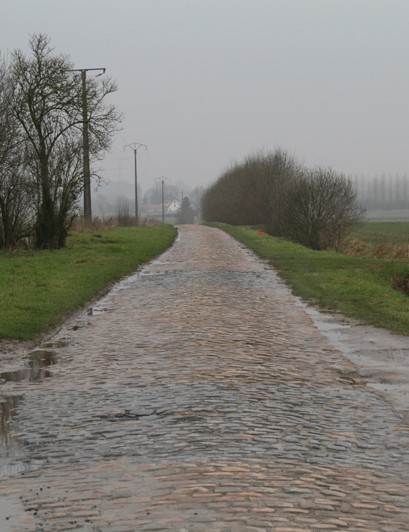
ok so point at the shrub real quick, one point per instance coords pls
(401, 282)
(250, 193)
(315, 208)
(319, 209)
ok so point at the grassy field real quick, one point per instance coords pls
(37, 289)
(382, 232)
(394, 215)
(359, 287)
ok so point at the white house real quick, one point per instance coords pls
(155, 209)
(173, 207)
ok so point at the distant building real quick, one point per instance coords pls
(173, 207)
(155, 209)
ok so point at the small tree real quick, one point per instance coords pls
(186, 214)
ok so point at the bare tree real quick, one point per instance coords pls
(320, 208)
(15, 194)
(47, 102)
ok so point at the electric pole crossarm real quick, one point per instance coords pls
(87, 70)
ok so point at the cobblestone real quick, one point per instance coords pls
(199, 396)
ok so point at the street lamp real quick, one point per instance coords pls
(135, 147)
(85, 140)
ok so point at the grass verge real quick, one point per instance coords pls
(37, 289)
(359, 287)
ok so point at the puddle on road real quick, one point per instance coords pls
(8, 406)
(97, 311)
(10, 458)
(34, 370)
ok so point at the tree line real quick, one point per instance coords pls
(314, 207)
(41, 143)
(383, 192)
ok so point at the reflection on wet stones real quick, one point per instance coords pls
(205, 399)
(35, 370)
(8, 407)
(10, 445)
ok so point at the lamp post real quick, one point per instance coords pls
(135, 146)
(85, 141)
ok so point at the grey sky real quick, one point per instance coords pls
(206, 82)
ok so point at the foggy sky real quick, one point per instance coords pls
(205, 83)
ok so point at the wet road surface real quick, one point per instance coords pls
(197, 396)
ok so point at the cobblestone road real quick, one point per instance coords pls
(199, 396)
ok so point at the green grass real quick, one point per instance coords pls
(359, 287)
(382, 232)
(37, 289)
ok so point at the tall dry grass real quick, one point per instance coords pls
(108, 222)
(385, 250)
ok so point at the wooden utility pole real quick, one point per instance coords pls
(85, 141)
(162, 180)
(135, 147)
(85, 147)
